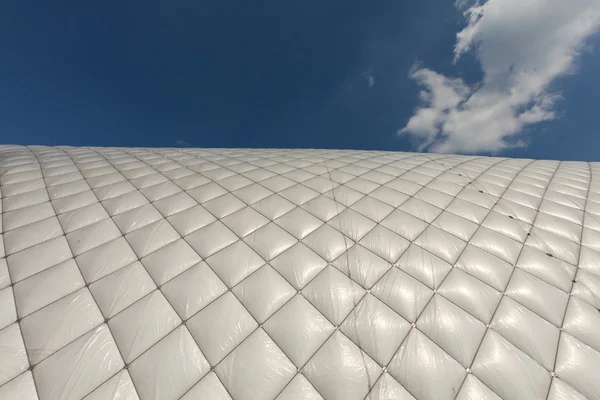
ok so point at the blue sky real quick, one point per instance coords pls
(333, 74)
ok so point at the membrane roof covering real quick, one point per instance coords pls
(165, 274)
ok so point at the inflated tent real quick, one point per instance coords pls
(165, 274)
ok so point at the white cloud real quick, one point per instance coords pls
(522, 46)
(462, 4)
(370, 78)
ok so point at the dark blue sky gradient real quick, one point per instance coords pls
(244, 74)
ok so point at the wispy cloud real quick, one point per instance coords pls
(522, 46)
(370, 78)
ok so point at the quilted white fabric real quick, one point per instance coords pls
(214, 274)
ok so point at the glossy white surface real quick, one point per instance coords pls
(238, 274)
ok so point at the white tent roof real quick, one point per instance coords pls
(165, 274)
